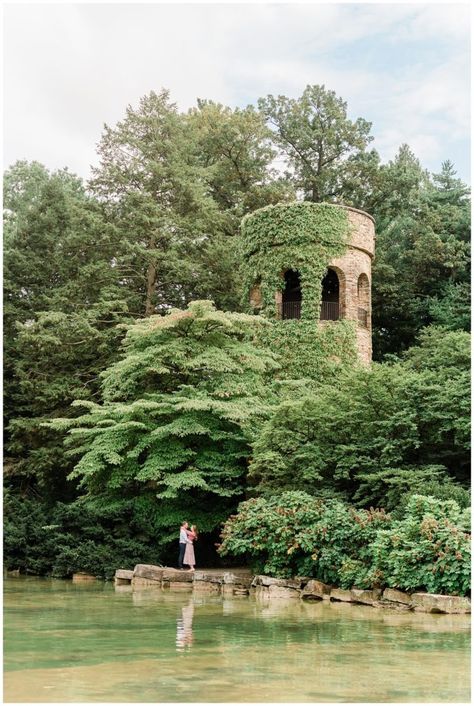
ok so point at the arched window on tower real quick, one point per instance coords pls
(330, 297)
(291, 296)
(363, 300)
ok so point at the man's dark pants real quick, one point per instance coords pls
(182, 549)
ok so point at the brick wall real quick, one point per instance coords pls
(357, 261)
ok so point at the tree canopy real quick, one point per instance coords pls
(177, 417)
(169, 403)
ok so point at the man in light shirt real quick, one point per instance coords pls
(183, 538)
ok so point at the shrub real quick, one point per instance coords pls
(295, 534)
(428, 550)
(62, 539)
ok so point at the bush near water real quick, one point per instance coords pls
(295, 534)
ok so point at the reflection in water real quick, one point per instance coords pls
(184, 628)
(66, 643)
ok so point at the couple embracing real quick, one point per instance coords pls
(187, 537)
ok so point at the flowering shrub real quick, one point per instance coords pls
(296, 534)
(428, 550)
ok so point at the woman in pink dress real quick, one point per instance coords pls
(189, 552)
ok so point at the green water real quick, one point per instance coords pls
(66, 642)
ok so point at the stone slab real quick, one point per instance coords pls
(180, 586)
(341, 594)
(437, 603)
(392, 605)
(396, 596)
(316, 589)
(126, 574)
(284, 583)
(177, 576)
(200, 576)
(365, 596)
(236, 579)
(206, 587)
(148, 571)
(275, 591)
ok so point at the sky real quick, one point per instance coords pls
(69, 68)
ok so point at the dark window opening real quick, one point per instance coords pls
(291, 297)
(330, 297)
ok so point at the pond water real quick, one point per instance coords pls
(66, 642)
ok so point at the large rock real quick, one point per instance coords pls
(316, 590)
(270, 581)
(177, 576)
(396, 596)
(275, 591)
(341, 594)
(435, 603)
(206, 577)
(124, 574)
(148, 571)
(229, 578)
(365, 596)
(179, 586)
(392, 605)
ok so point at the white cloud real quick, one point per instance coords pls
(70, 68)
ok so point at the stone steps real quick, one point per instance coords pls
(240, 582)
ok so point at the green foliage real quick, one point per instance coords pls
(395, 486)
(326, 150)
(297, 236)
(428, 550)
(295, 534)
(178, 413)
(62, 539)
(154, 195)
(175, 186)
(444, 489)
(235, 152)
(310, 352)
(451, 306)
(63, 301)
(372, 435)
(421, 271)
(181, 409)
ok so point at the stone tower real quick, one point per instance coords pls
(303, 252)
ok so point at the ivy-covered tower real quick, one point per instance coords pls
(311, 263)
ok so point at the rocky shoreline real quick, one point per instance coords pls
(241, 582)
